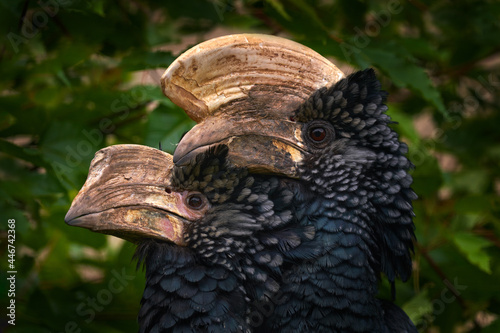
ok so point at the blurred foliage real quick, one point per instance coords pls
(77, 76)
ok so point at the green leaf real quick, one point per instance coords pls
(6, 120)
(473, 247)
(310, 11)
(473, 181)
(466, 221)
(69, 148)
(406, 74)
(98, 7)
(166, 125)
(279, 8)
(28, 155)
(427, 177)
(473, 203)
(405, 124)
(418, 306)
(58, 249)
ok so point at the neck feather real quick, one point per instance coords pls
(190, 296)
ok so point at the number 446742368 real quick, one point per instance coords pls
(11, 241)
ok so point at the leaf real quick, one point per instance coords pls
(473, 181)
(28, 155)
(466, 221)
(472, 246)
(69, 148)
(427, 177)
(50, 270)
(406, 74)
(98, 7)
(310, 11)
(405, 124)
(473, 203)
(167, 125)
(6, 120)
(418, 306)
(279, 8)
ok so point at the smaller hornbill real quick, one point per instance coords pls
(211, 236)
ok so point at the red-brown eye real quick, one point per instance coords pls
(195, 201)
(317, 134)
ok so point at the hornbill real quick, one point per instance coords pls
(282, 109)
(339, 208)
(212, 236)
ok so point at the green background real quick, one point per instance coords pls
(77, 76)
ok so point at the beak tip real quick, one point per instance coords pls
(175, 158)
(183, 156)
(75, 221)
(74, 214)
(70, 218)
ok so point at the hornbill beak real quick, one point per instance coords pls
(261, 145)
(242, 90)
(127, 195)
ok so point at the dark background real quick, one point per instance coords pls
(77, 76)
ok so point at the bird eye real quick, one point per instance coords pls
(319, 133)
(195, 201)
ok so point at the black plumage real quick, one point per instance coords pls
(233, 251)
(363, 169)
(356, 193)
(184, 295)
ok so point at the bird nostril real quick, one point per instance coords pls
(168, 190)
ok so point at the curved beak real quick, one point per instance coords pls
(270, 146)
(127, 195)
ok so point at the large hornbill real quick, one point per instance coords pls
(283, 109)
(213, 237)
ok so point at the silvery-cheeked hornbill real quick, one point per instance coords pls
(212, 237)
(287, 114)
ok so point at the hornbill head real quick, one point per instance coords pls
(211, 235)
(283, 109)
(208, 205)
(136, 192)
